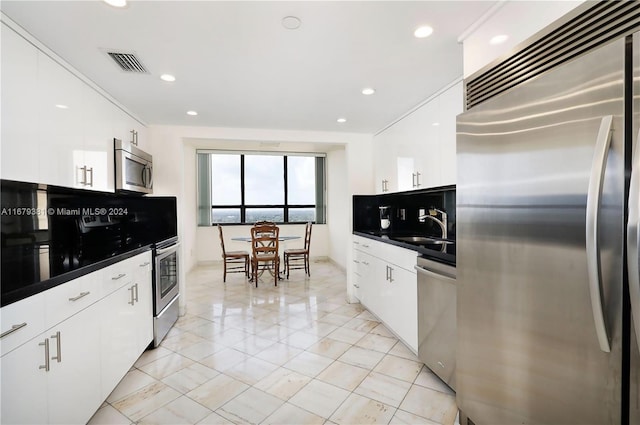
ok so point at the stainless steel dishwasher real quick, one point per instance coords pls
(437, 318)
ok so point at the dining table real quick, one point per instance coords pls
(281, 238)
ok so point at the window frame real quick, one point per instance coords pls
(320, 210)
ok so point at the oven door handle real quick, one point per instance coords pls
(167, 249)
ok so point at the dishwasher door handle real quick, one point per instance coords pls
(434, 274)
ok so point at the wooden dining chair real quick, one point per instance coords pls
(299, 258)
(264, 250)
(234, 261)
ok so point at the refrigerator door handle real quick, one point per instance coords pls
(633, 240)
(596, 181)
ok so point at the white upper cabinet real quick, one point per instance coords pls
(19, 111)
(419, 151)
(451, 105)
(56, 128)
(384, 158)
(59, 118)
(97, 151)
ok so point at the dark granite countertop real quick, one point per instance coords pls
(432, 251)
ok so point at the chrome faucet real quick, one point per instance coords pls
(431, 215)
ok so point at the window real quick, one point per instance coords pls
(248, 187)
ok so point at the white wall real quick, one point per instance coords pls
(339, 216)
(518, 19)
(173, 149)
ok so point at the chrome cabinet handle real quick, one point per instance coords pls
(134, 137)
(136, 286)
(131, 290)
(13, 329)
(83, 179)
(58, 356)
(146, 263)
(365, 246)
(633, 239)
(120, 276)
(391, 279)
(45, 366)
(89, 171)
(81, 295)
(594, 194)
(357, 286)
(417, 179)
(413, 179)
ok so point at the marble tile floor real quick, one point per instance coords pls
(297, 354)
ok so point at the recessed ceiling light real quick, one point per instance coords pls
(168, 77)
(192, 113)
(60, 106)
(435, 124)
(116, 3)
(423, 31)
(342, 120)
(368, 91)
(291, 22)
(498, 39)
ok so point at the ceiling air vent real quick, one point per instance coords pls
(128, 62)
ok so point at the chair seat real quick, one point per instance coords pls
(236, 254)
(296, 251)
(265, 257)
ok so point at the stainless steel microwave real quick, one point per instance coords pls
(134, 168)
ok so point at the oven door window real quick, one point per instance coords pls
(168, 274)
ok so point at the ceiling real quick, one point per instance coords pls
(238, 66)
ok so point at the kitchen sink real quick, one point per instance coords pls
(422, 240)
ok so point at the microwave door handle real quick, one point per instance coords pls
(633, 240)
(150, 171)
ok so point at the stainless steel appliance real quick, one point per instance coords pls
(437, 318)
(134, 168)
(547, 229)
(166, 288)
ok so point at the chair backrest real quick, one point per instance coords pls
(221, 241)
(264, 223)
(264, 240)
(307, 236)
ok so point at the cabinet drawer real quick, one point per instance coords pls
(69, 298)
(401, 257)
(21, 321)
(117, 275)
(367, 245)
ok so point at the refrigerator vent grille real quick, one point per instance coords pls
(597, 25)
(128, 62)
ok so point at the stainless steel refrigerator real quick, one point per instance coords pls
(547, 239)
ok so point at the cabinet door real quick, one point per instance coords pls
(426, 127)
(19, 112)
(74, 379)
(143, 303)
(384, 163)
(118, 349)
(98, 141)
(60, 130)
(402, 312)
(24, 384)
(124, 124)
(451, 103)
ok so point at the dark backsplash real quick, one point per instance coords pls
(50, 231)
(404, 212)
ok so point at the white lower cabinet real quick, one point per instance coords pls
(127, 334)
(64, 374)
(387, 286)
(24, 383)
(73, 381)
